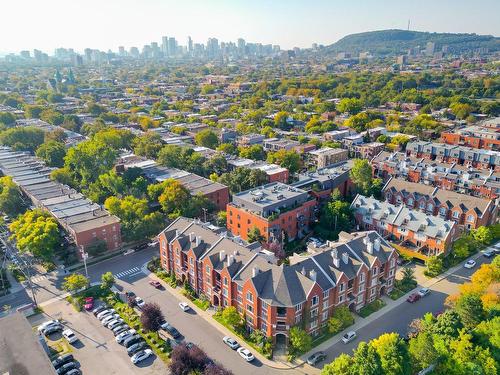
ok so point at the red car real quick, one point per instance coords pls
(89, 303)
(155, 283)
(413, 297)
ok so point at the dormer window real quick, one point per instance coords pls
(430, 207)
(470, 218)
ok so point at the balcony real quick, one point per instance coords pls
(281, 312)
(281, 327)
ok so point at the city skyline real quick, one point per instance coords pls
(127, 25)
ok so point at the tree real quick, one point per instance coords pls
(336, 216)
(434, 265)
(52, 153)
(243, 179)
(288, 159)
(11, 202)
(300, 340)
(350, 105)
(408, 280)
(463, 247)
(206, 138)
(483, 235)
(115, 138)
(23, 138)
(174, 198)
(7, 118)
(36, 232)
(393, 354)
(341, 318)
(75, 282)
(107, 280)
(342, 365)
(361, 175)
(422, 351)
(280, 120)
(221, 218)
(447, 325)
(470, 309)
(216, 369)
(254, 235)
(185, 361)
(366, 360)
(227, 148)
(151, 317)
(52, 116)
(231, 316)
(254, 152)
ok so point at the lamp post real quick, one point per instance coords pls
(84, 255)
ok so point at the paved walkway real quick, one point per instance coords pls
(208, 316)
(390, 304)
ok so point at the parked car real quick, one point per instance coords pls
(348, 337)
(184, 306)
(316, 358)
(109, 319)
(141, 246)
(52, 329)
(89, 303)
(99, 309)
(232, 343)
(171, 330)
(124, 335)
(105, 313)
(245, 354)
(424, 291)
(139, 301)
(414, 297)
(120, 329)
(141, 356)
(42, 326)
(132, 340)
(70, 336)
(470, 264)
(129, 251)
(61, 360)
(115, 323)
(75, 371)
(65, 368)
(488, 253)
(155, 283)
(141, 345)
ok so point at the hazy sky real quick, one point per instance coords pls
(107, 24)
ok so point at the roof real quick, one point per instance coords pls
(21, 353)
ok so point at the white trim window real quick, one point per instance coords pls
(314, 301)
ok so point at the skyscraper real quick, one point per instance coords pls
(430, 48)
(190, 46)
(164, 45)
(172, 47)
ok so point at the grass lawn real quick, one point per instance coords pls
(400, 289)
(371, 308)
(202, 304)
(58, 347)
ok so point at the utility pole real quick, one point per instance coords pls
(85, 255)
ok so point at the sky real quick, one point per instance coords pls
(107, 24)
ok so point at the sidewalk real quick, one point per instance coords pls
(390, 304)
(208, 316)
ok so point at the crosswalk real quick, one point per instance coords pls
(129, 272)
(37, 279)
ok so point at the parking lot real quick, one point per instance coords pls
(96, 351)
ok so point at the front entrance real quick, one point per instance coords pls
(216, 301)
(382, 291)
(280, 347)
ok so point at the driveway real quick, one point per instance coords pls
(97, 350)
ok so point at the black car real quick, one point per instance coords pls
(99, 309)
(75, 371)
(132, 340)
(141, 345)
(65, 368)
(61, 360)
(52, 329)
(141, 246)
(171, 330)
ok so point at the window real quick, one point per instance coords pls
(326, 293)
(249, 297)
(361, 277)
(314, 323)
(325, 304)
(374, 282)
(422, 205)
(240, 288)
(374, 271)
(470, 218)
(239, 299)
(324, 316)
(372, 292)
(207, 269)
(224, 292)
(360, 298)
(298, 318)
(250, 309)
(361, 288)
(341, 298)
(391, 273)
(393, 262)
(263, 327)
(314, 301)
(314, 313)
(430, 207)
(456, 214)
(442, 211)
(225, 281)
(342, 287)
(298, 308)
(191, 261)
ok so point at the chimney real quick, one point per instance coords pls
(345, 258)
(222, 256)
(198, 240)
(366, 240)
(236, 252)
(230, 260)
(313, 275)
(369, 246)
(255, 271)
(335, 257)
(191, 237)
(303, 271)
(177, 233)
(376, 244)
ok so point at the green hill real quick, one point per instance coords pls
(389, 42)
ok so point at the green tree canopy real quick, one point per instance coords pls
(206, 138)
(23, 138)
(11, 202)
(52, 153)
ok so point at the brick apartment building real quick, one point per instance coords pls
(476, 136)
(275, 209)
(446, 176)
(322, 182)
(467, 211)
(424, 234)
(351, 272)
(366, 150)
(467, 156)
(325, 157)
(274, 172)
(85, 221)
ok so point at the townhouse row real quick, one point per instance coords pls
(352, 272)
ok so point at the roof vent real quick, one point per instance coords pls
(255, 271)
(376, 244)
(345, 258)
(303, 271)
(222, 256)
(313, 275)
(335, 257)
(369, 247)
(230, 260)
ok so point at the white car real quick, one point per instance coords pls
(470, 264)
(115, 323)
(70, 336)
(424, 291)
(232, 343)
(141, 356)
(44, 325)
(129, 251)
(184, 306)
(124, 335)
(109, 318)
(348, 337)
(246, 354)
(139, 301)
(105, 313)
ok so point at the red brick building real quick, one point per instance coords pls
(351, 272)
